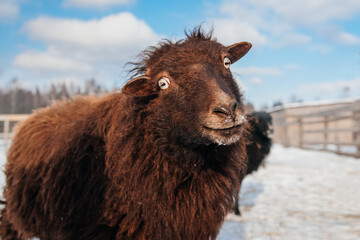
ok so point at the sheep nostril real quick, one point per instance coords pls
(222, 111)
(234, 106)
(228, 110)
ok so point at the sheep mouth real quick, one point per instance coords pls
(223, 129)
(223, 136)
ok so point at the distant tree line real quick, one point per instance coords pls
(19, 100)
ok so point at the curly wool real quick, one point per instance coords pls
(121, 167)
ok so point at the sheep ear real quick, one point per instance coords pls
(238, 50)
(140, 87)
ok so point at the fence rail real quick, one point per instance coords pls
(335, 129)
(7, 123)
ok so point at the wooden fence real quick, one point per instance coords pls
(7, 124)
(334, 127)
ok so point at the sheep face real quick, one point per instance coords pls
(195, 97)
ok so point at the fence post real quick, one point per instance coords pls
(326, 128)
(286, 130)
(356, 133)
(301, 132)
(6, 132)
(336, 136)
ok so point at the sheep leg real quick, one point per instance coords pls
(236, 208)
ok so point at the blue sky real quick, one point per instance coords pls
(302, 49)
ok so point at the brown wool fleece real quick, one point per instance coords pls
(147, 163)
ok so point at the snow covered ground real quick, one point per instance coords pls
(299, 195)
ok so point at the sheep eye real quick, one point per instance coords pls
(164, 83)
(227, 62)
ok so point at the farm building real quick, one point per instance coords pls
(326, 125)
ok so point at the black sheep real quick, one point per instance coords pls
(259, 144)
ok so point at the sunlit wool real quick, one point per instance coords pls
(139, 164)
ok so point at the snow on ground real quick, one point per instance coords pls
(299, 195)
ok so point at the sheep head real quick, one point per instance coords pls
(193, 91)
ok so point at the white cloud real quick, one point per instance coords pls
(8, 9)
(258, 71)
(292, 66)
(347, 38)
(235, 24)
(113, 37)
(95, 3)
(294, 39)
(332, 87)
(321, 48)
(229, 32)
(256, 81)
(335, 33)
(39, 61)
(79, 45)
(282, 23)
(310, 12)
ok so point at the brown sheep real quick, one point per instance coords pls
(159, 160)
